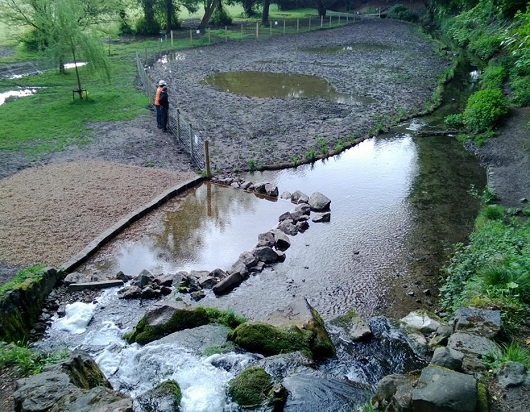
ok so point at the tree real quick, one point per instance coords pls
(265, 12)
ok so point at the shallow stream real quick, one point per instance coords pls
(398, 204)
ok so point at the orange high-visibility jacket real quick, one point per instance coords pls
(157, 95)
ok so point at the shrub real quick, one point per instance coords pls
(145, 27)
(454, 120)
(521, 91)
(400, 12)
(484, 108)
(493, 77)
(221, 17)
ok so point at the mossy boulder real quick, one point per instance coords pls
(254, 387)
(166, 396)
(164, 319)
(298, 327)
(22, 300)
(270, 340)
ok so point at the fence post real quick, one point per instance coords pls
(241, 31)
(226, 34)
(284, 27)
(270, 28)
(191, 142)
(257, 30)
(209, 38)
(338, 21)
(171, 38)
(146, 55)
(207, 158)
(191, 37)
(321, 21)
(309, 27)
(330, 21)
(178, 125)
(297, 25)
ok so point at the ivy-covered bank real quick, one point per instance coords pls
(496, 33)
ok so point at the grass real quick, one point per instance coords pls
(26, 360)
(20, 277)
(512, 352)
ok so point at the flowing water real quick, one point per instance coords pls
(399, 202)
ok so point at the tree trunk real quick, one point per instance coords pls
(169, 15)
(212, 5)
(321, 7)
(247, 7)
(265, 13)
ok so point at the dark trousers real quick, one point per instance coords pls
(159, 116)
(163, 118)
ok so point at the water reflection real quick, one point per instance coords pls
(266, 84)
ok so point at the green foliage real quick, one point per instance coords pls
(454, 120)
(484, 108)
(28, 361)
(512, 352)
(251, 388)
(252, 165)
(221, 16)
(520, 87)
(400, 12)
(323, 146)
(310, 154)
(517, 40)
(224, 317)
(147, 27)
(493, 270)
(493, 77)
(339, 146)
(21, 278)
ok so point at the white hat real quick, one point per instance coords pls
(162, 83)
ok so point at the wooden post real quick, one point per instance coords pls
(338, 21)
(297, 25)
(209, 38)
(321, 21)
(178, 125)
(329, 21)
(226, 34)
(284, 27)
(257, 30)
(145, 56)
(270, 28)
(191, 37)
(207, 158)
(171, 38)
(191, 142)
(309, 27)
(241, 32)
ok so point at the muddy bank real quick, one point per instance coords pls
(387, 66)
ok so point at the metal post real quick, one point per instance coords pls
(178, 125)
(191, 142)
(207, 158)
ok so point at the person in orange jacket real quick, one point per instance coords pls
(158, 108)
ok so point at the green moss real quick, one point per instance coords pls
(482, 398)
(182, 319)
(321, 344)
(251, 387)
(171, 388)
(23, 279)
(224, 317)
(270, 340)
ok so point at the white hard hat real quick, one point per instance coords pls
(162, 83)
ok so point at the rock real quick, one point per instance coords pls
(166, 396)
(130, 292)
(208, 281)
(164, 279)
(288, 228)
(511, 374)
(248, 389)
(150, 293)
(143, 279)
(481, 322)
(285, 216)
(241, 268)
(227, 284)
(266, 254)
(473, 344)
(422, 321)
(248, 259)
(258, 268)
(304, 208)
(271, 190)
(322, 217)
(302, 226)
(440, 389)
(235, 185)
(122, 276)
(285, 195)
(318, 202)
(299, 197)
(448, 358)
(356, 328)
(394, 393)
(76, 277)
(98, 399)
(266, 239)
(197, 295)
(281, 240)
(104, 284)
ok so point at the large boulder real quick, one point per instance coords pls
(444, 390)
(318, 202)
(394, 393)
(254, 387)
(422, 321)
(511, 374)
(447, 358)
(166, 396)
(228, 283)
(165, 318)
(481, 322)
(355, 327)
(299, 197)
(74, 384)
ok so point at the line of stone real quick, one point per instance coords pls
(126, 221)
